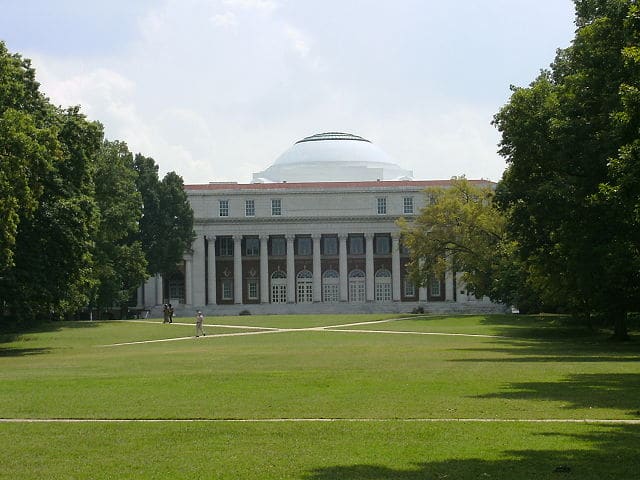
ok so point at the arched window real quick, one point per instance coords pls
(304, 286)
(278, 287)
(383, 285)
(357, 287)
(330, 286)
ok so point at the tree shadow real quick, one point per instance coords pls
(22, 352)
(612, 455)
(581, 391)
(11, 335)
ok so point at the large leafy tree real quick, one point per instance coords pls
(53, 252)
(461, 228)
(119, 262)
(28, 144)
(571, 186)
(166, 226)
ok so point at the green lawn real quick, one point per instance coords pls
(379, 384)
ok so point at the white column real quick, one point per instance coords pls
(448, 285)
(237, 269)
(291, 270)
(264, 268)
(317, 269)
(422, 291)
(188, 280)
(198, 266)
(211, 270)
(140, 297)
(159, 292)
(342, 264)
(150, 292)
(395, 266)
(461, 287)
(369, 266)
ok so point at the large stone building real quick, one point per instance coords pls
(314, 232)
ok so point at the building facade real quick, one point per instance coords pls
(276, 245)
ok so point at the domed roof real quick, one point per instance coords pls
(332, 156)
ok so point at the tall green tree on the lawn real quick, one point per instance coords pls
(571, 189)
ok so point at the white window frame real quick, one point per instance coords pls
(304, 287)
(249, 208)
(357, 287)
(382, 205)
(223, 208)
(278, 287)
(227, 289)
(252, 289)
(330, 286)
(434, 287)
(409, 288)
(407, 205)
(383, 286)
(276, 207)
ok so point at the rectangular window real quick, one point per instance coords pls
(435, 287)
(224, 208)
(382, 206)
(225, 247)
(278, 247)
(304, 246)
(252, 289)
(404, 250)
(249, 208)
(227, 289)
(356, 245)
(276, 207)
(407, 206)
(383, 245)
(329, 246)
(252, 247)
(409, 288)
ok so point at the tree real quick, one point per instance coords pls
(571, 185)
(166, 226)
(53, 253)
(458, 228)
(27, 145)
(119, 262)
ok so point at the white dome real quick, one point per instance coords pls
(332, 157)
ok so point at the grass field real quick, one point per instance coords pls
(320, 397)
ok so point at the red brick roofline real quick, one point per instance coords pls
(329, 185)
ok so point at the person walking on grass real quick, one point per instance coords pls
(199, 320)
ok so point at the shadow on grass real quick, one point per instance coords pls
(612, 391)
(10, 335)
(612, 455)
(22, 352)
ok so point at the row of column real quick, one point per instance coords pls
(195, 270)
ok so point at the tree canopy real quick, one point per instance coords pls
(71, 207)
(571, 188)
(166, 226)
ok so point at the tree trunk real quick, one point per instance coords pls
(620, 326)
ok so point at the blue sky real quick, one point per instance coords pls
(216, 89)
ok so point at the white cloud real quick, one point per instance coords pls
(299, 41)
(259, 5)
(225, 20)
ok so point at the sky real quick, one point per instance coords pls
(216, 90)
